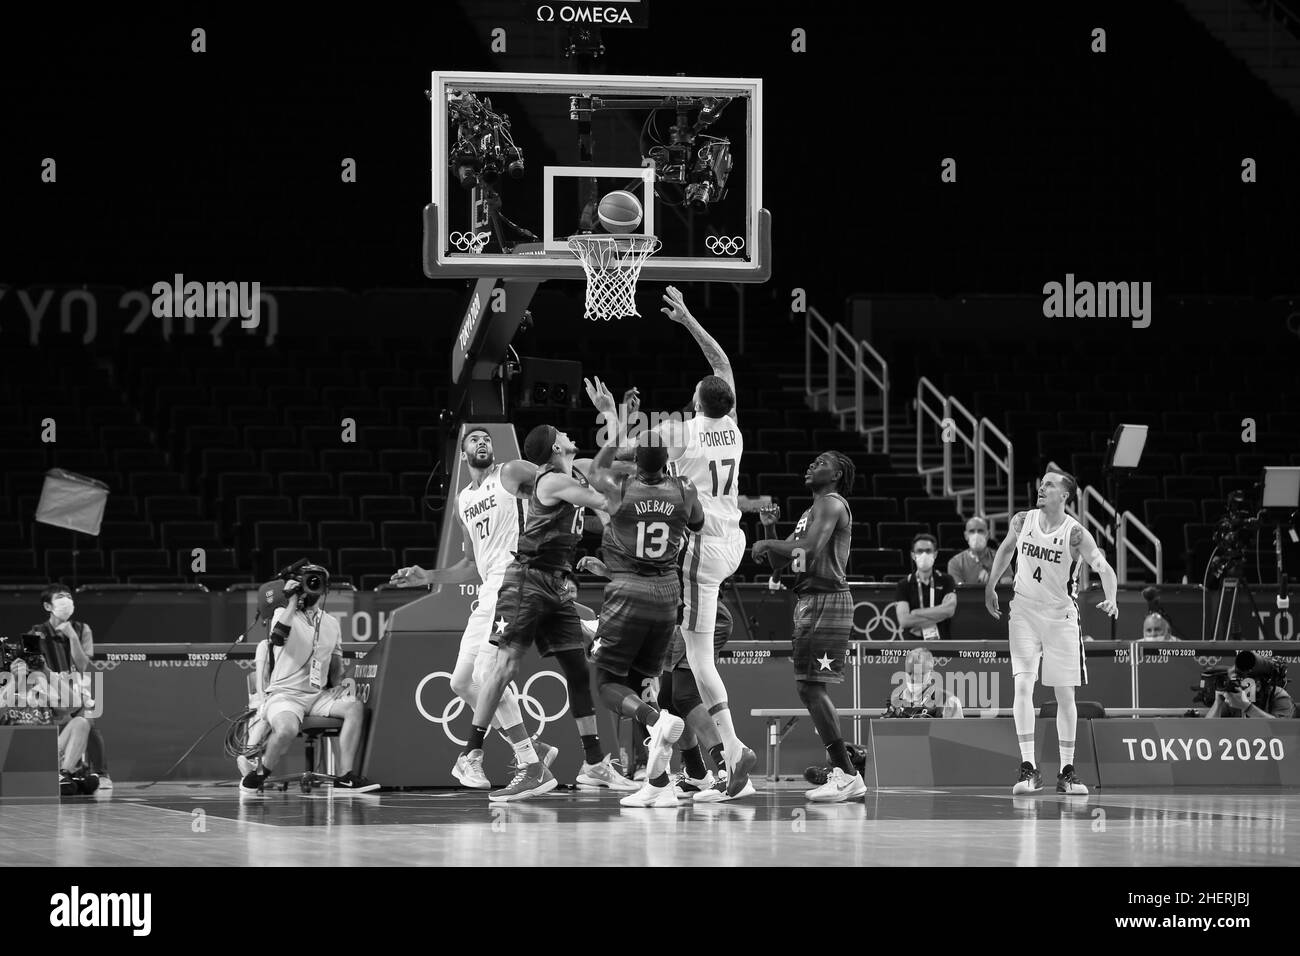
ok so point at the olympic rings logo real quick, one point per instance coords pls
(530, 705)
(469, 241)
(724, 245)
(879, 621)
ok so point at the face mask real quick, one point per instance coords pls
(977, 540)
(63, 608)
(924, 562)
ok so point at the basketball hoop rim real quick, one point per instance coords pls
(613, 238)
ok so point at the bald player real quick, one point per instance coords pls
(1044, 626)
(707, 450)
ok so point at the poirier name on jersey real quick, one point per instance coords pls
(711, 460)
(1045, 573)
(493, 518)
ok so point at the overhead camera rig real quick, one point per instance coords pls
(698, 174)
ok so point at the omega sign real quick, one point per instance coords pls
(598, 13)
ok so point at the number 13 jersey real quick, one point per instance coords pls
(646, 530)
(712, 449)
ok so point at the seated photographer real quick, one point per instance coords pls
(921, 693)
(68, 647)
(1252, 687)
(300, 674)
(25, 700)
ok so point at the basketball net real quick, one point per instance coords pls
(612, 264)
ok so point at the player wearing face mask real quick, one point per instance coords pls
(926, 599)
(973, 565)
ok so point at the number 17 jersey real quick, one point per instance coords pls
(712, 449)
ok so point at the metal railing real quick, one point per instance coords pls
(847, 360)
(1124, 546)
(1114, 532)
(1004, 466)
(980, 441)
(940, 417)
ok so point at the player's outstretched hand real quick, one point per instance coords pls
(412, 577)
(769, 515)
(1109, 608)
(676, 305)
(632, 401)
(991, 602)
(600, 395)
(594, 566)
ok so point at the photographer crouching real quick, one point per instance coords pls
(300, 675)
(1254, 687)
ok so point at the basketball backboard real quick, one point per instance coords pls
(525, 158)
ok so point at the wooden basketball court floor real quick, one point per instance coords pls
(214, 825)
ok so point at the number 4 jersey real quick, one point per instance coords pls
(645, 532)
(493, 518)
(711, 460)
(1045, 574)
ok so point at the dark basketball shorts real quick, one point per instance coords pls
(721, 634)
(538, 607)
(822, 625)
(637, 620)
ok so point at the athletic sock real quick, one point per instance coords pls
(1067, 754)
(524, 752)
(661, 780)
(476, 735)
(591, 747)
(839, 756)
(648, 714)
(717, 756)
(693, 761)
(1027, 748)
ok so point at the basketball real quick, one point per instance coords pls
(619, 211)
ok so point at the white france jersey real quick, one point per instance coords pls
(711, 460)
(1045, 573)
(493, 518)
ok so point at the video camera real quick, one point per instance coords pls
(1230, 535)
(28, 651)
(1263, 670)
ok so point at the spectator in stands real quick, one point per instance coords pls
(921, 693)
(1156, 628)
(973, 565)
(68, 647)
(931, 593)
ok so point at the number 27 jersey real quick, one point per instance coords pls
(493, 519)
(712, 449)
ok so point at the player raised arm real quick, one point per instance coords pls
(606, 473)
(677, 311)
(1001, 561)
(1084, 545)
(827, 513)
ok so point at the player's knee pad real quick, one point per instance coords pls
(573, 664)
(666, 694)
(686, 695)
